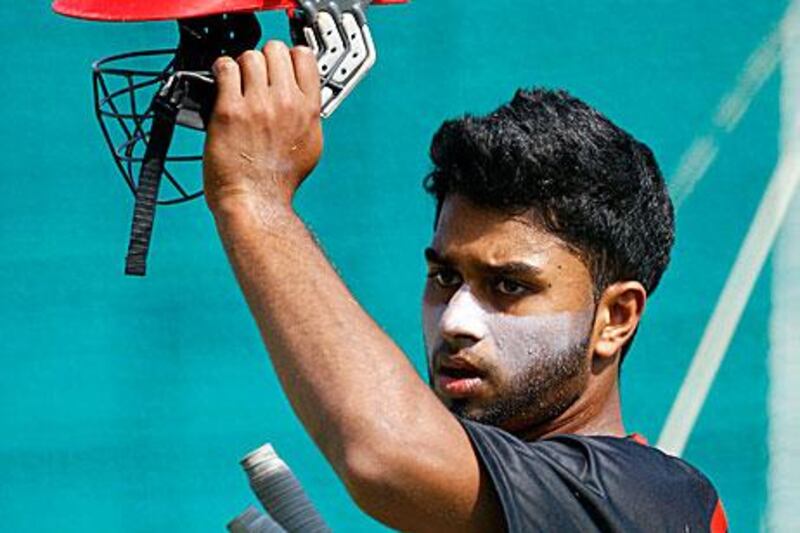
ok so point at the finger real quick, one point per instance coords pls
(254, 73)
(279, 65)
(229, 81)
(306, 71)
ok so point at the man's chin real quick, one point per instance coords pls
(496, 413)
(467, 408)
(479, 406)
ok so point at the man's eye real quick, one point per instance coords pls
(510, 287)
(445, 278)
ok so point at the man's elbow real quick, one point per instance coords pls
(388, 484)
(409, 487)
(366, 474)
(379, 482)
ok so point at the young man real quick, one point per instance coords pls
(553, 226)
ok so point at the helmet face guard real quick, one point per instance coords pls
(132, 89)
(149, 101)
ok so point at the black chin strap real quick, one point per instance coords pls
(165, 114)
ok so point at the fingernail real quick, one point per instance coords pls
(220, 64)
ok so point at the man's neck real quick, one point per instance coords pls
(597, 412)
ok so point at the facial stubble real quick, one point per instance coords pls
(540, 366)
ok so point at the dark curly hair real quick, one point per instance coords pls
(587, 181)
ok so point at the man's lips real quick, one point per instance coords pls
(458, 387)
(458, 378)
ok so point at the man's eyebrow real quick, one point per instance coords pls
(432, 256)
(509, 269)
(513, 268)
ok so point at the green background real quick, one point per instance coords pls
(125, 404)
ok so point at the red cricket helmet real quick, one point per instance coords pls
(141, 10)
(139, 126)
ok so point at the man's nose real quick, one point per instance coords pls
(464, 320)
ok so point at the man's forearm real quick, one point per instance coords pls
(345, 378)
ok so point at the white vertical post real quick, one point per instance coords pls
(783, 511)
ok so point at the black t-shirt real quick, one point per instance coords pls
(577, 483)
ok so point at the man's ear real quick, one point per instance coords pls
(618, 313)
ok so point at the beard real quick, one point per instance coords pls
(541, 392)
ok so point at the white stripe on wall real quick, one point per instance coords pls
(701, 154)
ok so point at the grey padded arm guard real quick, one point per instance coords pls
(338, 34)
(254, 521)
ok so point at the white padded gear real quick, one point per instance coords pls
(337, 33)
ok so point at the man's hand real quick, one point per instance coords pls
(265, 134)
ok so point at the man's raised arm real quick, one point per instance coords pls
(404, 458)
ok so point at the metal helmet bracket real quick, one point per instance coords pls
(202, 41)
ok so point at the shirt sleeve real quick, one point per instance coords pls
(535, 492)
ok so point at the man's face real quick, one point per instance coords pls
(507, 312)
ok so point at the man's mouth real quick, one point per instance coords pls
(458, 379)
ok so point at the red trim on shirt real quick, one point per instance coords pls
(719, 522)
(639, 438)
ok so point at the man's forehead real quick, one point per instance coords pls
(465, 228)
